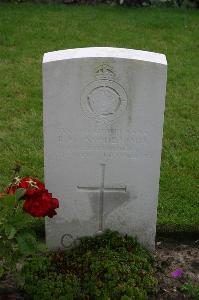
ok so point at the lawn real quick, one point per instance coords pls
(28, 31)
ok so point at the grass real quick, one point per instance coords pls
(191, 289)
(27, 31)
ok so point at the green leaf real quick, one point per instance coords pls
(20, 193)
(20, 279)
(42, 247)
(1, 271)
(27, 243)
(10, 231)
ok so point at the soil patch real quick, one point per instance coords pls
(171, 255)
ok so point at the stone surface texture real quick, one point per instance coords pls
(103, 127)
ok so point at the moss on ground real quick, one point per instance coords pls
(109, 266)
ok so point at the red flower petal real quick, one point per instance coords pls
(32, 185)
(41, 204)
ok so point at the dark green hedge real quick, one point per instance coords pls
(129, 3)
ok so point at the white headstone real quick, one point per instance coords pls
(103, 124)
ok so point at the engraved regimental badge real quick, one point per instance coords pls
(104, 99)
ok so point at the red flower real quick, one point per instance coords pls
(38, 201)
(31, 185)
(41, 204)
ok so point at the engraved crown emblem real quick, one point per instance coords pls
(104, 72)
(104, 99)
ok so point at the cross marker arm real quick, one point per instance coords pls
(106, 189)
(88, 188)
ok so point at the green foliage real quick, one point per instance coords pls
(19, 193)
(107, 266)
(17, 240)
(128, 3)
(190, 3)
(191, 289)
